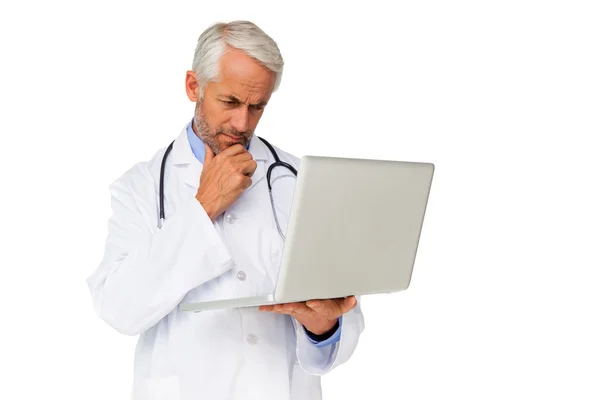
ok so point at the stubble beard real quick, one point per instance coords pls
(209, 135)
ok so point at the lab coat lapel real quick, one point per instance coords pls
(184, 160)
(258, 151)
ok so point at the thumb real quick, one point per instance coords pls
(209, 154)
(349, 303)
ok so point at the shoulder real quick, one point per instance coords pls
(285, 155)
(141, 177)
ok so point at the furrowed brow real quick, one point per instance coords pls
(234, 99)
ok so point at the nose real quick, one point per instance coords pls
(240, 119)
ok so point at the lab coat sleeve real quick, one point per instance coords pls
(316, 360)
(146, 271)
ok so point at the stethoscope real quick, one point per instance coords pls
(277, 163)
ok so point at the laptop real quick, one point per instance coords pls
(354, 229)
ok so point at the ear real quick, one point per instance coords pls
(192, 86)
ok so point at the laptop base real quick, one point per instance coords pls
(242, 302)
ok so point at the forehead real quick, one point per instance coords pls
(245, 76)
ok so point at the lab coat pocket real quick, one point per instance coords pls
(162, 388)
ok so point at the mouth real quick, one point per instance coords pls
(233, 138)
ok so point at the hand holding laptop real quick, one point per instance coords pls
(318, 316)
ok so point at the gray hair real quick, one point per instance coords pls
(241, 35)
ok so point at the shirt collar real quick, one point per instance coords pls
(196, 143)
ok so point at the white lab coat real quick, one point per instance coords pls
(146, 273)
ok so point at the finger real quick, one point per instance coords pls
(322, 307)
(271, 309)
(233, 150)
(243, 181)
(288, 306)
(209, 154)
(300, 309)
(314, 304)
(283, 312)
(240, 182)
(282, 309)
(325, 308)
(348, 304)
(241, 157)
(248, 167)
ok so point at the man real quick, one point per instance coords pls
(219, 240)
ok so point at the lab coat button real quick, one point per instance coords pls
(230, 218)
(252, 339)
(241, 275)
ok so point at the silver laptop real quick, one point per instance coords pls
(354, 229)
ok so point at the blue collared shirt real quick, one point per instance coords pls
(199, 151)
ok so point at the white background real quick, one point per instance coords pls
(504, 97)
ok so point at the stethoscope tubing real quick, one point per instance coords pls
(277, 163)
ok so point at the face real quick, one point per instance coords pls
(230, 109)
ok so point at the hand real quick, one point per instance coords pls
(317, 316)
(224, 178)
